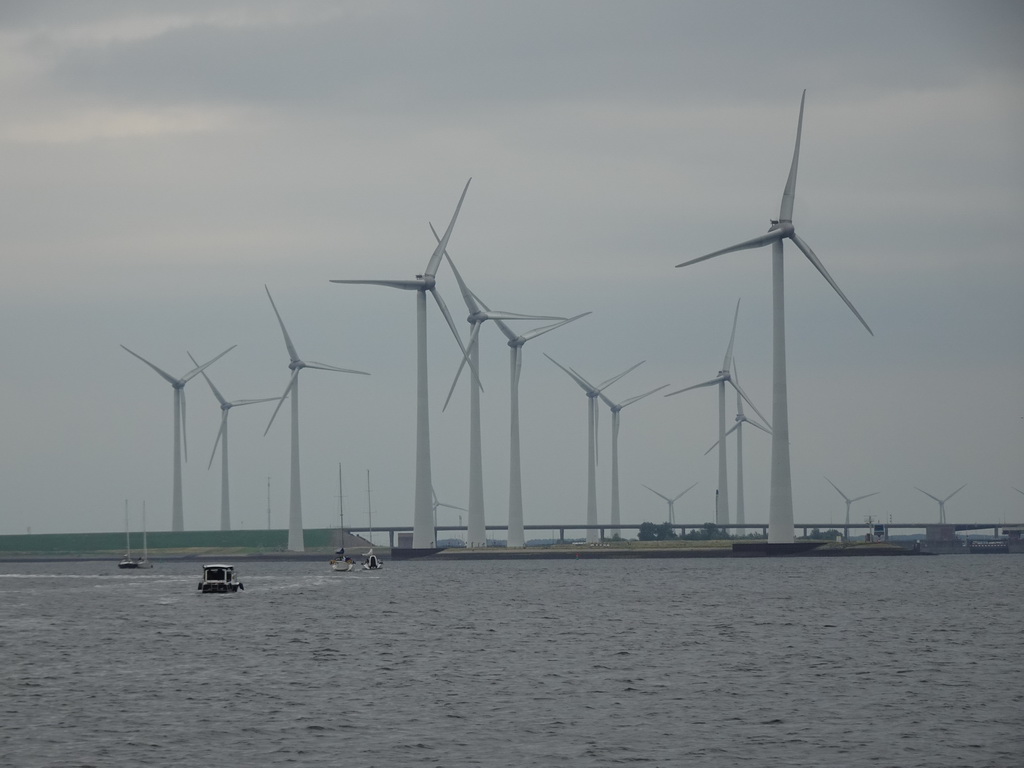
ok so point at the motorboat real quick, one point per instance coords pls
(372, 562)
(219, 578)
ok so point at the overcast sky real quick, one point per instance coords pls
(162, 162)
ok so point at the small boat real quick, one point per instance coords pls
(372, 562)
(342, 563)
(219, 578)
(127, 561)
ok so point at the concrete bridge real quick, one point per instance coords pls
(933, 531)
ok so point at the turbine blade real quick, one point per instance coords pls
(326, 367)
(220, 433)
(405, 285)
(713, 446)
(641, 397)
(195, 371)
(462, 364)
(451, 324)
(865, 496)
(732, 338)
(544, 329)
(686, 491)
(789, 194)
(435, 258)
(216, 393)
(824, 273)
(941, 501)
(756, 242)
(666, 498)
(250, 402)
(280, 402)
(749, 401)
(954, 493)
(764, 429)
(287, 339)
(467, 295)
(715, 380)
(170, 379)
(583, 383)
(613, 379)
(837, 489)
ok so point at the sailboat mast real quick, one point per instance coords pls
(369, 507)
(145, 547)
(127, 534)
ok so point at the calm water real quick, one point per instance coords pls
(855, 662)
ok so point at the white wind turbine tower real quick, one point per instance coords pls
(222, 435)
(942, 502)
(296, 364)
(592, 393)
(477, 529)
(724, 375)
(180, 438)
(849, 503)
(780, 519)
(741, 419)
(516, 534)
(616, 408)
(671, 502)
(422, 284)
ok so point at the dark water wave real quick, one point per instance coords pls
(887, 662)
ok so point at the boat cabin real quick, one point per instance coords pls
(219, 578)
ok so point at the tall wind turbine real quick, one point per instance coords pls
(724, 375)
(780, 518)
(422, 536)
(516, 534)
(477, 529)
(177, 513)
(741, 419)
(296, 364)
(942, 502)
(222, 434)
(616, 408)
(671, 502)
(849, 503)
(592, 393)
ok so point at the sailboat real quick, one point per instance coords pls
(340, 562)
(126, 561)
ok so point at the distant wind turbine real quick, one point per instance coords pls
(942, 502)
(671, 502)
(296, 364)
(849, 503)
(780, 521)
(478, 315)
(741, 419)
(442, 504)
(180, 438)
(516, 533)
(592, 393)
(724, 375)
(423, 284)
(222, 434)
(616, 408)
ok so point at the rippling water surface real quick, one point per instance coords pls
(911, 661)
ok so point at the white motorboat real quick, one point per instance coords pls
(219, 578)
(372, 562)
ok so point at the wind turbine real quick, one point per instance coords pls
(180, 437)
(423, 284)
(516, 534)
(724, 375)
(942, 502)
(615, 409)
(592, 393)
(671, 502)
(477, 529)
(741, 419)
(780, 516)
(296, 364)
(849, 503)
(225, 407)
(442, 504)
